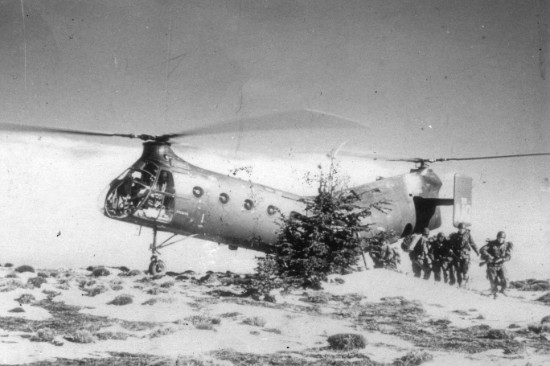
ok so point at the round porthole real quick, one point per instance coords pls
(271, 210)
(198, 192)
(248, 204)
(224, 198)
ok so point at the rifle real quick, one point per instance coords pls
(494, 261)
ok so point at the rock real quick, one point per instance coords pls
(347, 341)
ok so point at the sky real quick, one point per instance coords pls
(426, 79)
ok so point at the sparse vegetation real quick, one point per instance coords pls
(96, 290)
(36, 281)
(256, 321)
(17, 310)
(203, 322)
(25, 299)
(347, 341)
(413, 359)
(106, 336)
(44, 335)
(81, 336)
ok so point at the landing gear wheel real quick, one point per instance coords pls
(157, 267)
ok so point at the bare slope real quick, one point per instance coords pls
(128, 318)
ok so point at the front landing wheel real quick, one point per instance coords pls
(157, 267)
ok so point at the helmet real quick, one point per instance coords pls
(440, 235)
(501, 234)
(461, 226)
(425, 231)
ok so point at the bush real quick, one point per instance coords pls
(347, 341)
(43, 335)
(105, 336)
(134, 272)
(413, 359)
(81, 336)
(94, 291)
(256, 321)
(24, 268)
(17, 310)
(121, 300)
(36, 281)
(8, 265)
(25, 299)
(203, 322)
(100, 271)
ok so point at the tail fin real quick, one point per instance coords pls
(462, 206)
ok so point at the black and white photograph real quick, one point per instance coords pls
(275, 182)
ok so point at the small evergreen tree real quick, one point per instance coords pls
(322, 241)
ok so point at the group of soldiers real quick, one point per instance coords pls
(448, 258)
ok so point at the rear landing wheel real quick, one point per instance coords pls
(157, 267)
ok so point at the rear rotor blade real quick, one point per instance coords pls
(492, 157)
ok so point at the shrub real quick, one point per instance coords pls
(94, 291)
(8, 265)
(203, 322)
(134, 272)
(25, 299)
(256, 321)
(322, 241)
(105, 336)
(413, 358)
(24, 268)
(100, 271)
(121, 300)
(17, 310)
(346, 341)
(43, 335)
(545, 320)
(81, 336)
(36, 281)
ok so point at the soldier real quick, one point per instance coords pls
(420, 256)
(495, 253)
(442, 259)
(462, 243)
(383, 255)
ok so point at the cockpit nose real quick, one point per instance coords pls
(101, 200)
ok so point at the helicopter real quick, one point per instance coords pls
(166, 193)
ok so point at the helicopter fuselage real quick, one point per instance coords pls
(165, 192)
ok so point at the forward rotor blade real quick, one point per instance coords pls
(293, 120)
(18, 127)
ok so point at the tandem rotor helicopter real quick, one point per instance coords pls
(166, 193)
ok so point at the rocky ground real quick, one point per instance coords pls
(118, 316)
